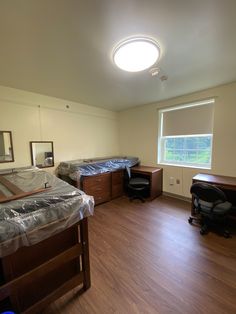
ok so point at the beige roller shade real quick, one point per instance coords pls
(197, 119)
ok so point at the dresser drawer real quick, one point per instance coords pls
(117, 177)
(99, 186)
(117, 186)
(101, 180)
(117, 190)
(101, 198)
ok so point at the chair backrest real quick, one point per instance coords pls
(207, 192)
(128, 172)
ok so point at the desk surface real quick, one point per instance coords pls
(216, 179)
(145, 169)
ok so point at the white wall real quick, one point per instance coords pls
(79, 131)
(138, 129)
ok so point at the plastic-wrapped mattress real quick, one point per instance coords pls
(88, 167)
(29, 220)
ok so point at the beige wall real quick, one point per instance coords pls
(82, 131)
(79, 131)
(138, 129)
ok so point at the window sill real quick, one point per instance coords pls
(185, 166)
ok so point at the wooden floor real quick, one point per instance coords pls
(146, 258)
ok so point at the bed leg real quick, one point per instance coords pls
(85, 255)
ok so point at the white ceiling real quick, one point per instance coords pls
(63, 48)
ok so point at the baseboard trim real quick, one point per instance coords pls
(180, 197)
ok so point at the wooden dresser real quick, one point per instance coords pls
(104, 187)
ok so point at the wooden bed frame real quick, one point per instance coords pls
(33, 277)
(17, 192)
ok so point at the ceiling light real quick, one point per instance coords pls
(136, 54)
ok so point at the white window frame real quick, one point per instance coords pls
(161, 138)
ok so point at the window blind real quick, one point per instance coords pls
(188, 120)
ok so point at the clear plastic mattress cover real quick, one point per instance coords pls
(29, 220)
(88, 167)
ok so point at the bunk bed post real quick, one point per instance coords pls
(85, 255)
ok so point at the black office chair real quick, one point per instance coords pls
(137, 186)
(211, 205)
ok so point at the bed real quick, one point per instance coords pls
(103, 178)
(75, 169)
(44, 250)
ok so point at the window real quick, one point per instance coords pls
(185, 135)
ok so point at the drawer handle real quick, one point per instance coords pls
(98, 180)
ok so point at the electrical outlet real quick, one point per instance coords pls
(177, 181)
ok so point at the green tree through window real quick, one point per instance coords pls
(189, 150)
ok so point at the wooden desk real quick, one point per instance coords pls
(226, 184)
(154, 175)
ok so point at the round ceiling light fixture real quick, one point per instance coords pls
(136, 54)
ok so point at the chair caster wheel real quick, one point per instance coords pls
(226, 234)
(203, 231)
(190, 220)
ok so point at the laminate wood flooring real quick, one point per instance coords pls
(146, 258)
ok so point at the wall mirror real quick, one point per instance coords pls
(6, 147)
(42, 155)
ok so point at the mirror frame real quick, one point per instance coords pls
(31, 152)
(12, 150)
